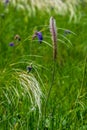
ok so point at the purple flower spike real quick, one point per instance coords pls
(11, 44)
(40, 37)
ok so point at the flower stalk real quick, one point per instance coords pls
(53, 31)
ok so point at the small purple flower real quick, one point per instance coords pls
(39, 35)
(11, 44)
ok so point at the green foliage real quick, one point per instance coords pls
(23, 105)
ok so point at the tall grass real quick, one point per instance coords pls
(57, 6)
(20, 94)
(22, 103)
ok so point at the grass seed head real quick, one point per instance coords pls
(53, 31)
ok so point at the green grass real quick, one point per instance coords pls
(23, 95)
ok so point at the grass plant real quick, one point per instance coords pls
(35, 92)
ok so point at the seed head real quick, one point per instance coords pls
(53, 32)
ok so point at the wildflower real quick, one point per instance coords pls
(39, 35)
(17, 37)
(29, 68)
(11, 44)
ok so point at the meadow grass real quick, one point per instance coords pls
(23, 95)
